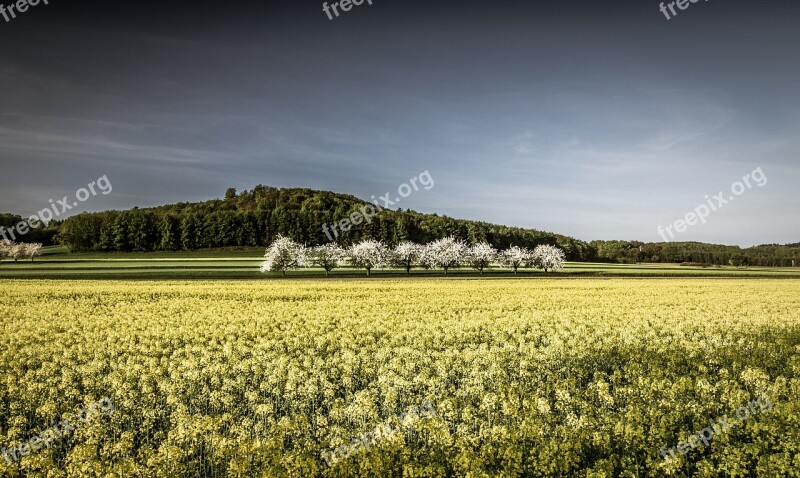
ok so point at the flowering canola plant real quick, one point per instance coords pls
(570, 377)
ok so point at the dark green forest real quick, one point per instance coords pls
(771, 255)
(42, 235)
(254, 218)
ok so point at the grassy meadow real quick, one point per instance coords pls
(57, 263)
(550, 377)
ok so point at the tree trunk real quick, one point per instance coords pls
(368, 271)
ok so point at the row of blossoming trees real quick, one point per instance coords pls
(285, 254)
(18, 251)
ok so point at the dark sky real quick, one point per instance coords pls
(595, 119)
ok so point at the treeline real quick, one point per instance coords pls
(697, 253)
(9, 222)
(258, 216)
(255, 218)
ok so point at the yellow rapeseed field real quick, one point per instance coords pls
(570, 377)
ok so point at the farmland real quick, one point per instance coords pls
(545, 377)
(244, 264)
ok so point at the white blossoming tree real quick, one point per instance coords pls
(406, 255)
(282, 255)
(515, 257)
(17, 252)
(33, 250)
(548, 258)
(326, 256)
(445, 253)
(5, 248)
(369, 254)
(480, 256)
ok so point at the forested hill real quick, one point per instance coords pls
(255, 218)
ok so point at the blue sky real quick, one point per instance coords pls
(598, 120)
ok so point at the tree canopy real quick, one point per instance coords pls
(257, 217)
